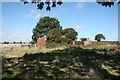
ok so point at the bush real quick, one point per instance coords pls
(83, 39)
(6, 42)
(20, 42)
(71, 34)
(14, 42)
(32, 42)
(78, 42)
(54, 45)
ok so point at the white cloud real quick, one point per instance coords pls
(116, 20)
(45, 14)
(23, 32)
(38, 15)
(110, 31)
(79, 6)
(5, 28)
(28, 15)
(33, 12)
(0, 36)
(20, 36)
(78, 27)
(2, 21)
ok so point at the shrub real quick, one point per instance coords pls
(78, 42)
(54, 45)
(32, 42)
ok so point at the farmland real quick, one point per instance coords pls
(100, 60)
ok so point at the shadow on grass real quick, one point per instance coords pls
(72, 63)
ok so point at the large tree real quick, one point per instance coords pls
(70, 34)
(98, 37)
(44, 25)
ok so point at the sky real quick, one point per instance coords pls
(87, 18)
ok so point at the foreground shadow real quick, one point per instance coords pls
(72, 63)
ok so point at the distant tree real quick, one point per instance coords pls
(44, 25)
(14, 42)
(98, 37)
(83, 39)
(20, 42)
(54, 36)
(4, 42)
(70, 34)
(32, 42)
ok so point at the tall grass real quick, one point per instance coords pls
(20, 51)
(100, 45)
(17, 51)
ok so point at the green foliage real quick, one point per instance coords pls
(64, 41)
(54, 36)
(55, 45)
(83, 39)
(98, 37)
(107, 3)
(44, 25)
(70, 62)
(32, 42)
(70, 34)
(41, 4)
(78, 42)
(20, 42)
(6, 42)
(14, 42)
(67, 63)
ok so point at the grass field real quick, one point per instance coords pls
(100, 60)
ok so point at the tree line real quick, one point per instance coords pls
(7, 42)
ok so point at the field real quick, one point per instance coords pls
(100, 60)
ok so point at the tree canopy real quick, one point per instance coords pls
(44, 25)
(98, 37)
(70, 34)
(54, 35)
(83, 39)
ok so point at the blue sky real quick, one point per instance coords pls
(87, 18)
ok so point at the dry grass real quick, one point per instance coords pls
(17, 51)
(100, 45)
(85, 62)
